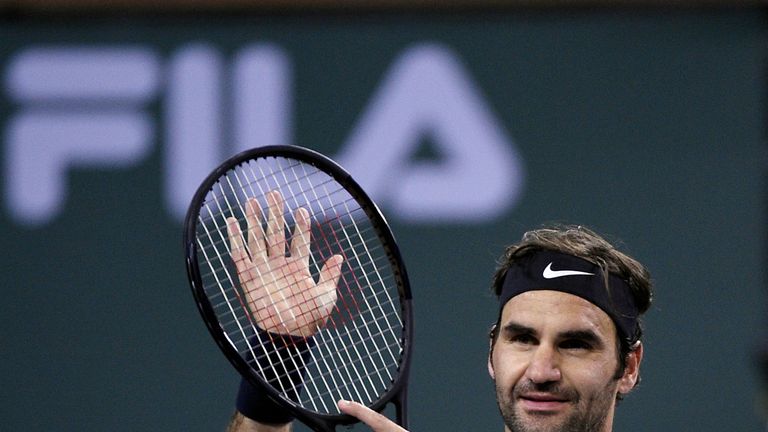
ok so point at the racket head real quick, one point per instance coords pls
(389, 344)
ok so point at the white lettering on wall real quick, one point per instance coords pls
(262, 97)
(200, 132)
(87, 107)
(79, 108)
(47, 74)
(193, 122)
(427, 92)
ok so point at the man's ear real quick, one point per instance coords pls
(632, 370)
(491, 340)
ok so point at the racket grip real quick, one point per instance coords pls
(282, 360)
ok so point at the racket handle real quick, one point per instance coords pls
(401, 409)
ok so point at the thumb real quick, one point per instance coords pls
(331, 271)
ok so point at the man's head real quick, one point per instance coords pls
(567, 343)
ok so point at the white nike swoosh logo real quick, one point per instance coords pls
(551, 274)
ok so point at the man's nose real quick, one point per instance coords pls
(543, 366)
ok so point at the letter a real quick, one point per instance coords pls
(478, 175)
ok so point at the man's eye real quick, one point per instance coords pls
(575, 344)
(523, 339)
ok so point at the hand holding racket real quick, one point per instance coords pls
(315, 309)
(376, 421)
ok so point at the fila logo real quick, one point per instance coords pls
(85, 107)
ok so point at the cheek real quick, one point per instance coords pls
(505, 368)
(593, 375)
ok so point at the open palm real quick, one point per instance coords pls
(281, 292)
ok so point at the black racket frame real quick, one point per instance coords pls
(397, 394)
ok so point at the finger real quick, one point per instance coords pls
(237, 248)
(301, 236)
(255, 230)
(326, 292)
(376, 421)
(275, 224)
(329, 274)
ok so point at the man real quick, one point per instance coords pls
(566, 345)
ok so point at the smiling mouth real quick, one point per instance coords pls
(543, 403)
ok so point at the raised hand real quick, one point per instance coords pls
(281, 293)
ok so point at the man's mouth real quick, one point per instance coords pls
(543, 402)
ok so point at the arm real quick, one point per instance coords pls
(288, 306)
(241, 423)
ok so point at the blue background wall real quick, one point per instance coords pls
(647, 125)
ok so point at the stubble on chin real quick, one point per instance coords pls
(589, 417)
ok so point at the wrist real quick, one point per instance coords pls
(281, 361)
(254, 403)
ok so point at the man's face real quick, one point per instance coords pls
(554, 364)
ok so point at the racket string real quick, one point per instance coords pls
(262, 193)
(334, 346)
(252, 322)
(242, 304)
(350, 242)
(324, 187)
(314, 263)
(335, 238)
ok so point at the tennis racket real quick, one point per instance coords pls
(301, 284)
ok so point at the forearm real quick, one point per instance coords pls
(254, 406)
(241, 423)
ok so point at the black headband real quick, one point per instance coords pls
(550, 270)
